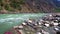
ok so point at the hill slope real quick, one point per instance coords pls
(28, 6)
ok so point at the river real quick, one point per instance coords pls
(7, 21)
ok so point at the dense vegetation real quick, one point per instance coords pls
(11, 4)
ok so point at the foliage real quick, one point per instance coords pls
(16, 4)
(0, 8)
(57, 10)
(7, 7)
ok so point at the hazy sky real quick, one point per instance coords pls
(58, 0)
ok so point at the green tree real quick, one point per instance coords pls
(7, 7)
(16, 4)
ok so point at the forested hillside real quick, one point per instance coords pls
(28, 6)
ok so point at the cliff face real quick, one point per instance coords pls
(41, 5)
(27, 6)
